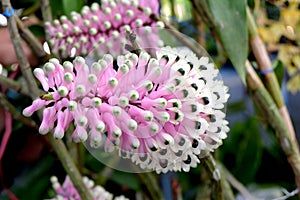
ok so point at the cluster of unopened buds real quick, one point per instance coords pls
(67, 191)
(102, 28)
(163, 112)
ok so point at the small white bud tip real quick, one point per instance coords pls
(96, 102)
(62, 91)
(72, 105)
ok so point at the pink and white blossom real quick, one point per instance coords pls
(67, 190)
(162, 112)
(102, 28)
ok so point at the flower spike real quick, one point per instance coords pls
(162, 121)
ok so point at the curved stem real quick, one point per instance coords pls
(9, 83)
(46, 12)
(15, 113)
(268, 106)
(70, 167)
(151, 183)
(236, 184)
(270, 79)
(57, 145)
(220, 187)
(32, 41)
(16, 40)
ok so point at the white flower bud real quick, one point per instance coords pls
(123, 101)
(117, 132)
(153, 128)
(124, 68)
(100, 126)
(133, 95)
(132, 125)
(107, 25)
(118, 17)
(96, 102)
(82, 121)
(148, 85)
(113, 82)
(68, 77)
(116, 110)
(129, 13)
(80, 89)
(92, 78)
(138, 22)
(49, 67)
(161, 102)
(164, 116)
(63, 91)
(107, 10)
(135, 143)
(93, 31)
(72, 105)
(115, 34)
(148, 116)
(108, 58)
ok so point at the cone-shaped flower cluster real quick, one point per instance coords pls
(101, 29)
(163, 112)
(67, 191)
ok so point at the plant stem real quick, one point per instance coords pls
(200, 26)
(9, 83)
(236, 184)
(151, 183)
(57, 145)
(268, 106)
(70, 167)
(32, 41)
(282, 126)
(15, 113)
(264, 64)
(46, 12)
(23, 62)
(220, 187)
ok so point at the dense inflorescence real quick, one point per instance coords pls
(67, 191)
(163, 113)
(102, 29)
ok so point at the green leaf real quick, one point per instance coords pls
(56, 8)
(242, 151)
(279, 71)
(126, 179)
(231, 24)
(37, 30)
(72, 5)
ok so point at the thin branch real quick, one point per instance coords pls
(287, 194)
(57, 145)
(16, 40)
(268, 106)
(270, 79)
(282, 127)
(32, 41)
(220, 187)
(15, 113)
(46, 12)
(152, 185)
(236, 184)
(9, 83)
(70, 167)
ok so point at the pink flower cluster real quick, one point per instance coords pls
(101, 29)
(163, 113)
(67, 191)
